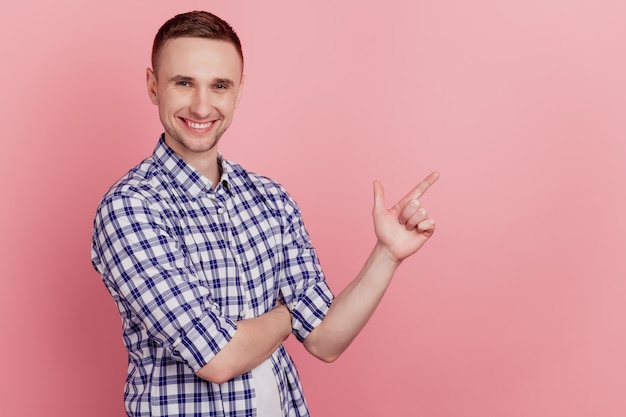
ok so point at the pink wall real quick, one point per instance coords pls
(516, 306)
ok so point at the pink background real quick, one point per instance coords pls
(516, 307)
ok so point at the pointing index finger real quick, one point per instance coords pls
(421, 188)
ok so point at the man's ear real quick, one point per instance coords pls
(151, 84)
(243, 77)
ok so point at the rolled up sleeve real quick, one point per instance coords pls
(303, 284)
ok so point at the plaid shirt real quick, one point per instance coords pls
(184, 263)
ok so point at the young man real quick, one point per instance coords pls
(210, 265)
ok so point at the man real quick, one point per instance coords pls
(210, 265)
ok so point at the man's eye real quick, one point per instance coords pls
(183, 83)
(220, 86)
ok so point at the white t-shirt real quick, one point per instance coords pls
(266, 388)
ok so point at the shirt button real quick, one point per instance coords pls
(220, 210)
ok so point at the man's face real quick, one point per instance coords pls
(197, 86)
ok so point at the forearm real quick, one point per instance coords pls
(254, 341)
(353, 307)
(400, 231)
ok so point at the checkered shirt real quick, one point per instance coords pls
(184, 263)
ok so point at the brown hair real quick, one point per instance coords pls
(196, 24)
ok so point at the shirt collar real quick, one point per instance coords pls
(191, 181)
(227, 174)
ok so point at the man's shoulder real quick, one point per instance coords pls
(143, 181)
(245, 180)
(263, 190)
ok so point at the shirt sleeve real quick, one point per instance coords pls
(303, 284)
(154, 283)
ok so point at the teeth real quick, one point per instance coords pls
(198, 125)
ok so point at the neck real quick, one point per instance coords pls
(204, 162)
(210, 169)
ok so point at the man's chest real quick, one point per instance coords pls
(235, 248)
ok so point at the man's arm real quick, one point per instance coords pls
(254, 341)
(400, 231)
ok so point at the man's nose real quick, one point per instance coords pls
(201, 103)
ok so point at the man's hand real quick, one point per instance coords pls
(404, 228)
(279, 307)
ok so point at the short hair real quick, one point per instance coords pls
(195, 24)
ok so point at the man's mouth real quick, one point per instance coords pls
(198, 126)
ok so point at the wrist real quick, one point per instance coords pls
(383, 254)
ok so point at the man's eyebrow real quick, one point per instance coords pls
(179, 78)
(225, 81)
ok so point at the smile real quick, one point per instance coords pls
(198, 126)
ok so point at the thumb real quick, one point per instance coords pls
(379, 197)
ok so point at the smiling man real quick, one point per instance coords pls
(211, 266)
